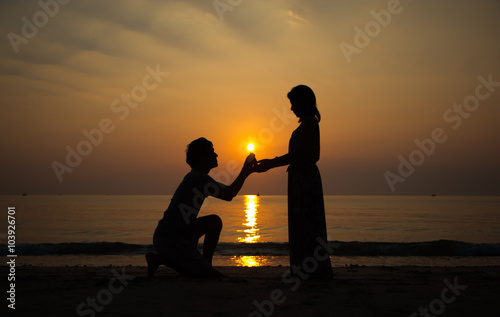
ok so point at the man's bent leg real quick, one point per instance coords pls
(211, 227)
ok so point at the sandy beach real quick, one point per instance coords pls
(260, 291)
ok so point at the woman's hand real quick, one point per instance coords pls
(263, 166)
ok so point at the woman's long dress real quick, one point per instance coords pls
(306, 209)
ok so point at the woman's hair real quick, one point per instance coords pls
(306, 99)
(195, 150)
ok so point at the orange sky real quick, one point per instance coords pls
(199, 68)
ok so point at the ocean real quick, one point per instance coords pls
(100, 230)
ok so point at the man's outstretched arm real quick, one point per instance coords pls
(229, 192)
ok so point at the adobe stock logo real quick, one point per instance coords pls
(437, 306)
(40, 19)
(363, 37)
(222, 7)
(94, 137)
(301, 273)
(105, 296)
(455, 116)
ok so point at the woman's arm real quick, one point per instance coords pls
(279, 161)
(229, 192)
(267, 164)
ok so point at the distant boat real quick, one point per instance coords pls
(24, 194)
(258, 194)
(433, 195)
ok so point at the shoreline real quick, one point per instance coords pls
(263, 260)
(256, 291)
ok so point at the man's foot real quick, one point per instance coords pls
(153, 260)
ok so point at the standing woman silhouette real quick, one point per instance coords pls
(306, 209)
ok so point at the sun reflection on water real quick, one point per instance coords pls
(251, 231)
(250, 260)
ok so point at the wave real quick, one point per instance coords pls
(430, 248)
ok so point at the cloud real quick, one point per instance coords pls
(228, 75)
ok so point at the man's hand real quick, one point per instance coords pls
(250, 164)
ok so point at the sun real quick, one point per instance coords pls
(250, 147)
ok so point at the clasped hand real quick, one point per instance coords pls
(252, 165)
